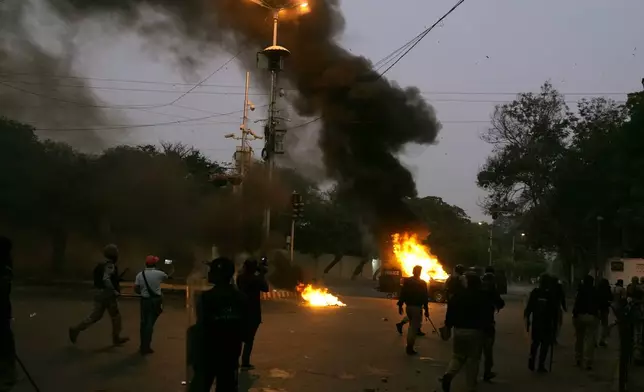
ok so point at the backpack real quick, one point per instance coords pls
(99, 271)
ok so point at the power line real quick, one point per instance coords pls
(149, 106)
(113, 127)
(405, 49)
(428, 92)
(420, 37)
(206, 79)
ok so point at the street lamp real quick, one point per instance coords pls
(273, 58)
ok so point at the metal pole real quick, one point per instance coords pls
(292, 238)
(490, 246)
(599, 245)
(275, 21)
(242, 167)
(513, 258)
(270, 143)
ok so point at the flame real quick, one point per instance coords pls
(318, 297)
(410, 252)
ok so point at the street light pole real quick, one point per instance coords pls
(275, 55)
(599, 244)
(513, 257)
(490, 245)
(270, 139)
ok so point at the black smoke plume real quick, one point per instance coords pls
(31, 93)
(365, 120)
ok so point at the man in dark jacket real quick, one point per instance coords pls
(7, 343)
(605, 298)
(455, 282)
(217, 336)
(252, 283)
(107, 290)
(585, 315)
(495, 304)
(541, 317)
(415, 295)
(468, 314)
(562, 307)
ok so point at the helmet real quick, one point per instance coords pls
(221, 270)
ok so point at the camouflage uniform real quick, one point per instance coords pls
(105, 299)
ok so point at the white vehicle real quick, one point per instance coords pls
(623, 269)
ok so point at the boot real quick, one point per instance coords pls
(120, 340)
(410, 350)
(420, 333)
(488, 376)
(399, 328)
(73, 335)
(531, 364)
(446, 383)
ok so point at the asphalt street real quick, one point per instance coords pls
(351, 349)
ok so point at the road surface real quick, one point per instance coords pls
(351, 349)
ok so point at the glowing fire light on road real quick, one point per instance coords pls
(410, 252)
(318, 297)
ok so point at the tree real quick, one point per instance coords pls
(573, 180)
(528, 137)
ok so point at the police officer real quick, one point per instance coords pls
(467, 313)
(217, 341)
(252, 282)
(494, 304)
(586, 315)
(107, 285)
(7, 343)
(455, 282)
(415, 295)
(541, 318)
(562, 307)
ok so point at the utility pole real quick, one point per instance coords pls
(513, 247)
(298, 207)
(489, 249)
(244, 151)
(599, 245)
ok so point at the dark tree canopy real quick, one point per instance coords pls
(573, 180)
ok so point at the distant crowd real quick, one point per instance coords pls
(473, 302)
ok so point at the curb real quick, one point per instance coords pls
(127, 288)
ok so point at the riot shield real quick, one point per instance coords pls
(196, 283)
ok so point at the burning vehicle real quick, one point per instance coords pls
(407, 251)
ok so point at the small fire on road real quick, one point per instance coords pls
(318, 297)
(410, 252)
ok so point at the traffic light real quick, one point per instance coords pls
(297, 205)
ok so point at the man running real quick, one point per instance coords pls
(107, 285)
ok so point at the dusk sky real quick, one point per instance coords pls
(481, 56)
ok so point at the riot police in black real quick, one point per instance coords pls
(217, 342)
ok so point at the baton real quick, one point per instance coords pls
(433, 326)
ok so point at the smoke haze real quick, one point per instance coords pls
(365, 120)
